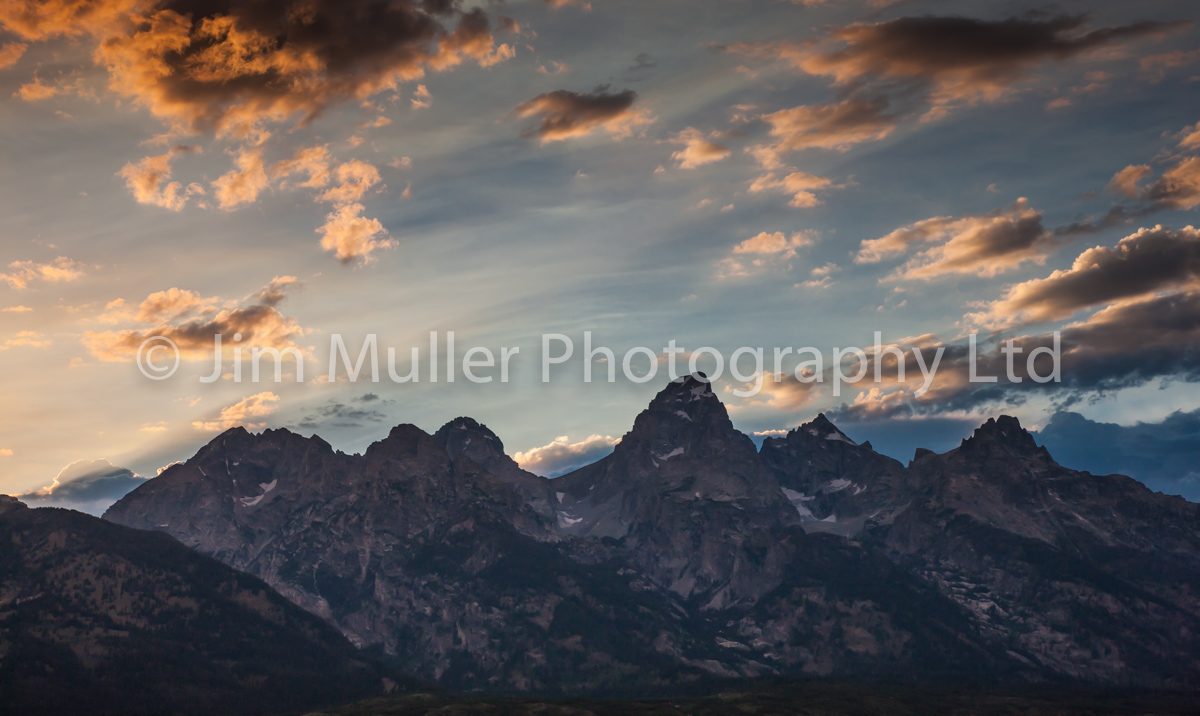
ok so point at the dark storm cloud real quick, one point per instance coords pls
(1162, 455)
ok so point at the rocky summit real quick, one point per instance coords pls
(687, 553)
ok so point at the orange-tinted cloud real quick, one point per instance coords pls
(313, 161)
(10, 52)
(351, 236)
(562, 455)
(697, 150)
(836, 126)
(762, 251)
(259, 405)
(21, 273)
(980, 245)
(243, 184)
(355, 178)
(800, 185)
(230, 67)
(566, 114)
(149, 179)
(171, 315)
(1139, 266)
(172, 304)
(775, 243)
(30, 339)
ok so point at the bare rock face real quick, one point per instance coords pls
(688, 553)
(99, 618)
(835, 484)
(1089, 576)
(686, 493)
(474, 441)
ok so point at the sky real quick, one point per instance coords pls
(721, 173)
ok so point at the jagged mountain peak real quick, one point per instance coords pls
(467, 435)
(823, 428)
(687, 393)
(472, 439)
(1003, 434)
(685, 419)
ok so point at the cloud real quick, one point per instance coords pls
(1156, 66)
(780, 391)
(259, 405)
(258, 320)
(762, 251)
(10, 52)
(6, 452)
(149, 179)
(697, 150)
(565, 114)
(172, 304)
(979, 245)
(421, 98)
(959, 60)
(17, 309)
(800, 185)
(312, 161)
(21, 273)
(1162, 454)
(355, 178)
(1141, 264)
(1178, 187)
(87, 485)
(825, 126)
(1191, 138)
(340, 415)
(243, 184)
(36, 91)
(1126, 344)
(562, 456)
(350, 236)
(29, 339)
(45, 19)
(231, 67)
(775, 243)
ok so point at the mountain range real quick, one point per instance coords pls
(687, 554)
(96, 618)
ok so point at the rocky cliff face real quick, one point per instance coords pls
(835, 484)
(686, 494)
(99, 618)
(1091, 576)
(687, 552)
